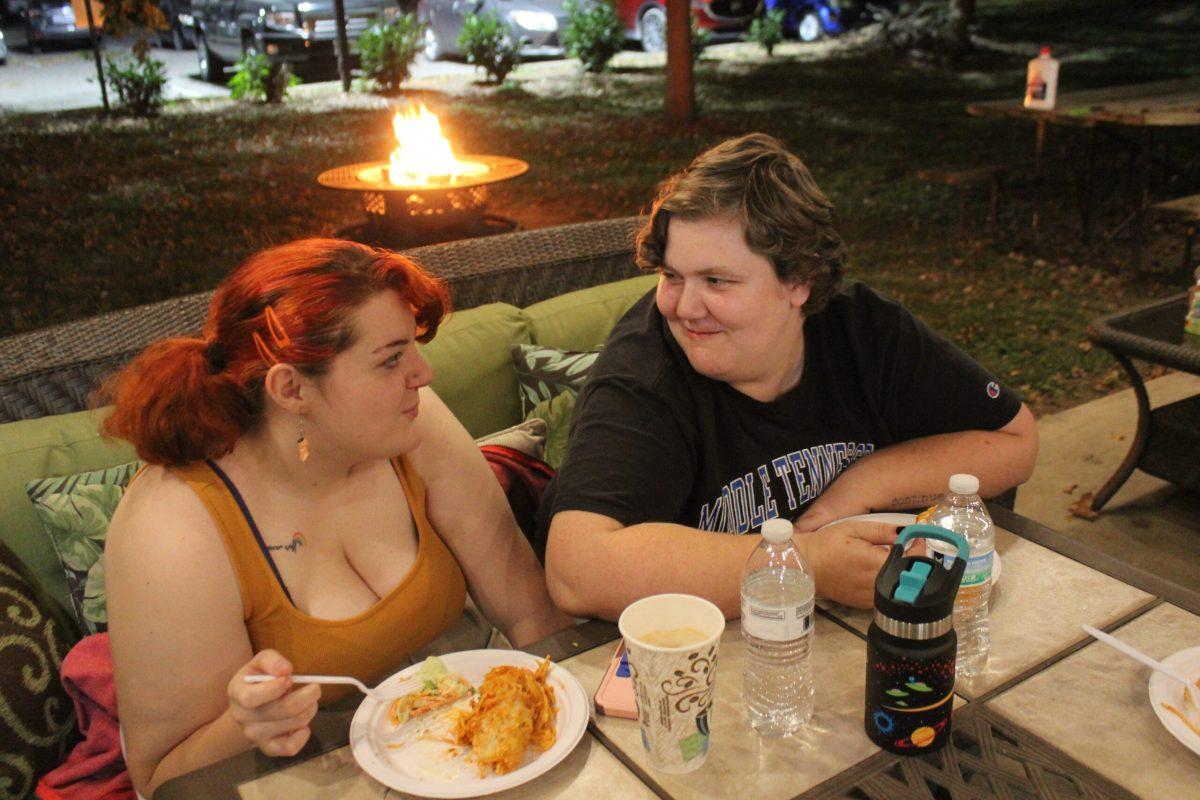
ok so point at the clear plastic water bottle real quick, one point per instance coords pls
(777, 626)
(963, 511)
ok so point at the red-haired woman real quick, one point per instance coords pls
(310, 506)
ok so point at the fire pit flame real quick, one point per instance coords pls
(423, 156)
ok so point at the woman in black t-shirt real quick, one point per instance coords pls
(752, 384)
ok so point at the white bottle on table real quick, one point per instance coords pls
(963, 511)
(777, 626)
(1041, 81)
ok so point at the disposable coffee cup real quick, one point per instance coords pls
(672, 644)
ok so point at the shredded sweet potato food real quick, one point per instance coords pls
(513, 708)
(1190, 710)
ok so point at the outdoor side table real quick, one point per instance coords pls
(1168, 437)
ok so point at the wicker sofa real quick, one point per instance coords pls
(563, 287)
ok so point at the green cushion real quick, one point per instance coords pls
(40, 448)
(472, 367)
(557, 413)
(543, 372)
(582, 320)
(76, 511)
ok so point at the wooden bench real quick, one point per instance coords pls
(991, 174)
(1186, 210)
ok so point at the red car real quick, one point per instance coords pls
(646, 20)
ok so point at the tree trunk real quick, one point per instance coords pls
(95, 40)
(343, 44)
(962, 14)
(681, 90)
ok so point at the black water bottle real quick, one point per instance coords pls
(911, 646)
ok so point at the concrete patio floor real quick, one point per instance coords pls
(1148, 523)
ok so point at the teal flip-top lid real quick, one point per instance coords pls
(912, 581)
(917, 589)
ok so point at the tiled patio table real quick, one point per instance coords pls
(1055, 715)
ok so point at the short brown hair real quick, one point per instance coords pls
(785, 217)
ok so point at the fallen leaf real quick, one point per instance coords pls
(1082, 508)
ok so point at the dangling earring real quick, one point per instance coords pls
(302, 442)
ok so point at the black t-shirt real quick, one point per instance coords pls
(654, 441)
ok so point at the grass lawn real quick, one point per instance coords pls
(103, 214)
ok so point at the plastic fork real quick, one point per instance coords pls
(403, 688)
(1138, 655)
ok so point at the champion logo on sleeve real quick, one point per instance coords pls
(993, 389)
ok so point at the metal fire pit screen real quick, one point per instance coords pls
(409, 215)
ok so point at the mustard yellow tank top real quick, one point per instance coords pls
(369, 646)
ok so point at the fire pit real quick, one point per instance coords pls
(424, 193)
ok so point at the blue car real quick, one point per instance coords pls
(809, 20)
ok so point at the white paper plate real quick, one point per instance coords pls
(900, 520)
(1167, 690)
(423, 768)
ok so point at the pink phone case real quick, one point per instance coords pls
(615, 695)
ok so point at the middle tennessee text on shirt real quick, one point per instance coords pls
(749, 500)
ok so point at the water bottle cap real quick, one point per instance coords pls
(1045, 50)
(777, 530)
(963, 483)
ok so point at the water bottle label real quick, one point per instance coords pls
(979, 569)
(979, 566)
(775, 623)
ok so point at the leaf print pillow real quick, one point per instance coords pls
(76, 510)
(544, 372)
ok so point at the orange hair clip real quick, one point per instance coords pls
(278, 333)
(263, 352)
(275, 328)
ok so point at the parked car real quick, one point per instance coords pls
(294, 31)
(181, 25)
(3, 50)
(810, 20)
(536, 23)
(646, 20)
(52, 21)
(12, 8)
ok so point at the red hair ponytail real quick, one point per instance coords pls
(173, 408)
(183, 400)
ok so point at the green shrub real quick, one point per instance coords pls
(259, 80)
(387, 50)
(485, 40)
(701, 37)
(593, 33)
(138, 85)
(767, 30)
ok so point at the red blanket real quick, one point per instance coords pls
(523, 479)
(95, 769)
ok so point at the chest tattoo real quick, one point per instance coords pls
(291, 547)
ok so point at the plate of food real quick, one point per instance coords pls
(900, 520)
(1179, 714)
(482, 721)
